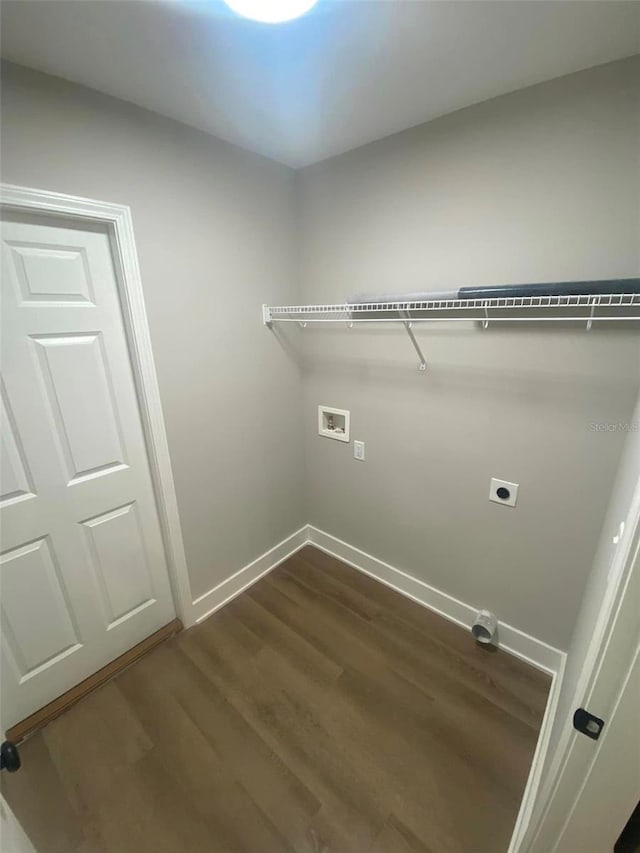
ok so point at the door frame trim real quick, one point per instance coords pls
(119, 222)
(538, 802)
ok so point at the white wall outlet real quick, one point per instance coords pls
(333, 423)
(503, 492)
(358, 450)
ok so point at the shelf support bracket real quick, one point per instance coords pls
(591, 315)
(422, 364)
(266, 315)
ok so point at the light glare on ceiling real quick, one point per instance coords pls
(271, 11)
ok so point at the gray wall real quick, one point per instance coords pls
(214, 232)
(540, 185)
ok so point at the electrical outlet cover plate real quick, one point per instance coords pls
(358, 450)
(503, 492)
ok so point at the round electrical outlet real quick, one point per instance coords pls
(503, 492)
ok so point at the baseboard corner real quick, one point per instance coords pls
(205, 605)
(512, 640)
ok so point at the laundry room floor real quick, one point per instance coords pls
(318, 712)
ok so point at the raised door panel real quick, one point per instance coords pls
(37, 620)
(120, 563)
(47, 275)
(15, 480)
(81, 401)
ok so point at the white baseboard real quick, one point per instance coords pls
(512, 640)
(215, 598)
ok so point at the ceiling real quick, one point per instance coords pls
(349, 72)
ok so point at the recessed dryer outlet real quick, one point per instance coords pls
(503, 492)
(333, 423)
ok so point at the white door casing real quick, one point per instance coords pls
(595, 803)
(614, 643)
(611, 788)
(83, 566)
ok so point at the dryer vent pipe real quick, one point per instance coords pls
(485, 626)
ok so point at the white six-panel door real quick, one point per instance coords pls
(83, 574)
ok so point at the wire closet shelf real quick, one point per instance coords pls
(609, 307)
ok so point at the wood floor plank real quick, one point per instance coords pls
(92, 741)
(144, 809)
(331, 586)
(40, 802)
(273, 786)
(289, 725)
(319, 712)
(499, 675)
(527, 682)
(224, 806)
(277, 634)
(397, 838)
(374, 742)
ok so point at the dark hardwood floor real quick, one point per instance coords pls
(319, 712)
